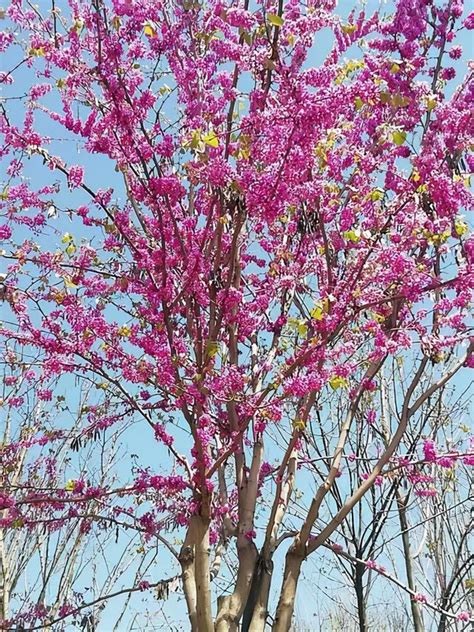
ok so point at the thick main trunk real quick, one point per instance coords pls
(200, 530)
(286, 603)
(186, 559)
(231, 607)
(255, 614)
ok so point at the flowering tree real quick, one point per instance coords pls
(273, 234)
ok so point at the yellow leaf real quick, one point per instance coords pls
(116, 22)
(68, 282)
(212, 348)
(124, 331)
(352, 235)
(275, 19)
(299, 424)
(317, 313)
(385, 97)
(399, 137)
(395, 68)
(71, 249)
(358, 103)
(431, 104)
(302, 328)
(320, 308)
(399, 101)
(376, 194)
(67, 238)
(149, 29)
(349, 28)
(460, 227)
(338, 382)
(69, 487)
(37, 52)
(211, 139)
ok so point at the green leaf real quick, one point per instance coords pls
(352, 235)
(399, 137)
(358, 103)
(275, 19)
(211, 139)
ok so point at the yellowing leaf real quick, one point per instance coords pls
(302, 328)
(431, 104)
(317, 313)
(149, 29)
(376, 194)
(349, 28)
(124, 331)
(399, 137)
(70, 485)
(71, 249)
(211, 139)
(37, 52)
(68, 282)
(299, 424)
(212, 348)
(67, 238)
(352, 235)
(338, 382)
(358, 103)
(395, 68)
(385, 97)
(399, 101)
(460, 227)
(275, 19)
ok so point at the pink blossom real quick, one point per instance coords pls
(75, 176)
(469, 21)
(463, 616)
(420, 598)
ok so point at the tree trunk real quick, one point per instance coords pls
(232, 606)
(255, 614)
(186, 559)
(415, 608)
(361, 605)
(200, 531)
(286, 603)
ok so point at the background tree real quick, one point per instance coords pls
(273, 232)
